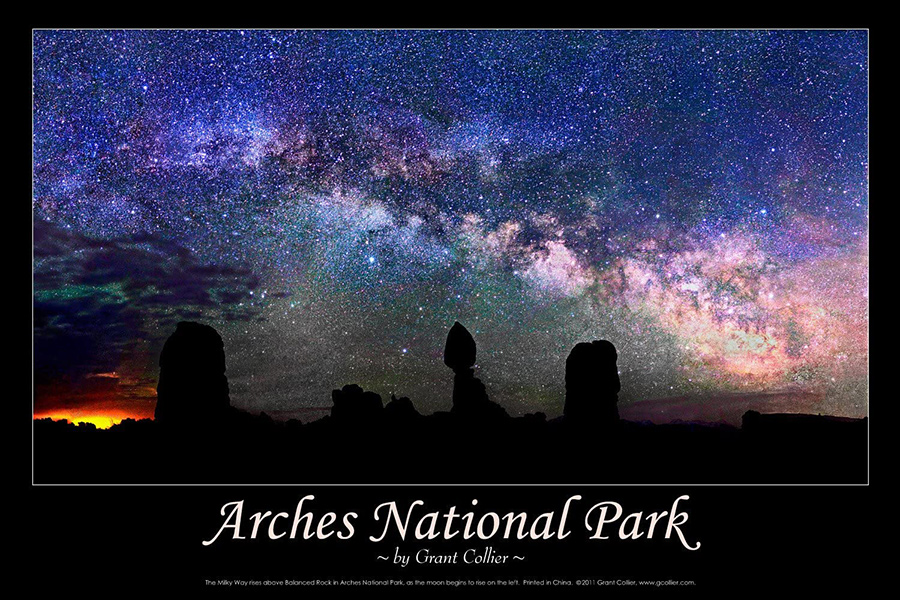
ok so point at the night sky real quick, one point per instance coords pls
(332, 201)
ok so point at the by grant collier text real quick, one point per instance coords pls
(601, 521)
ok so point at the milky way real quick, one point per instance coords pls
(332, 201)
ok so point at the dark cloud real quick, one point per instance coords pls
(98, 302)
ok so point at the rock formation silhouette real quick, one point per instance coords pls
(198, 437)
(470, 399)
(401, 409)
(353, 405)
(193, 388)
(592, 385)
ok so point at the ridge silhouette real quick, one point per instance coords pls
(198, 437)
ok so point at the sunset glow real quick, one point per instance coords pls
(101, 414)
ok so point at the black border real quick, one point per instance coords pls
(118, 540)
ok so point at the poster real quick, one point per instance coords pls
(320, 309)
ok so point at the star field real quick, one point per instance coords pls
(332, 201)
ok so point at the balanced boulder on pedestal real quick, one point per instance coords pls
(470, 399)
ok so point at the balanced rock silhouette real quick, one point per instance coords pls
(592, 385)
(470, 399)
(192, 389)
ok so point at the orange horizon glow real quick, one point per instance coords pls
(101, 420)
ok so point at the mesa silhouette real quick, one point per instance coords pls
(198, 437)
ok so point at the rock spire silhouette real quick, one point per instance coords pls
(193, 388)
(592, 385)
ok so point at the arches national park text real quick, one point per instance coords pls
(391, 521)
